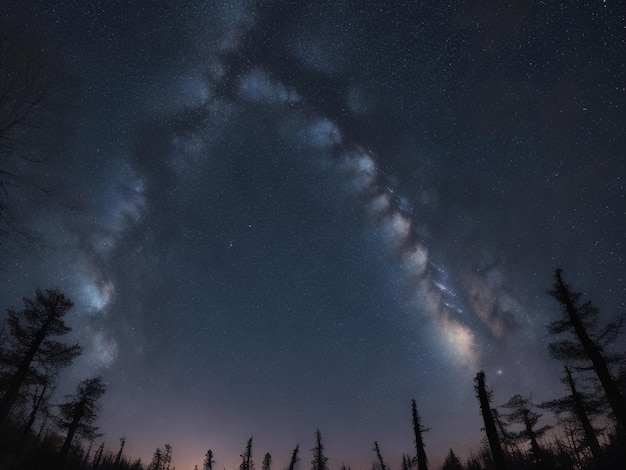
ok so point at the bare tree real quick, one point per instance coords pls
(35, 90)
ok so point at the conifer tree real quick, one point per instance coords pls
(157, 460)
(98, 456)
(208, 460)
(30, 352)
(581, 407)
(78, 414)
(407, 463)
(452, 462)
(380, 464)
(473, 463)
(119, 453)
(484, 398)
(267, 462)
(294, 457)
(506, 438)
(39, 402)
(522, 413)
(167, 457)
(319, 461)
(418, 429)
(88, 453)
(589, 347)
(246, 458)
(161, 460)
(137, 465)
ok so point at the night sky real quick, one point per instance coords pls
(302, 215)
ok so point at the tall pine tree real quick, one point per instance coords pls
(79, 413)
(246, 458)
(484, 398)
(578, 407)
(30, 353)
(579, 319)
(319, 461)
(418, 429)
(267, 462)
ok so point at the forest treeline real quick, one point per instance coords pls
(590, 413)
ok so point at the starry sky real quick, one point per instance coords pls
(301, 215)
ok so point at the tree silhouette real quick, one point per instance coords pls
(484, 398)
(294, 457)
(580, 319)
(418, 429)
(506, 438)
(167, 457)
(157, 460)
(522, 413)
(34, 92)
(319, 461)
(30, 354)
(98, 456)
(580, 407)
(380, 464)
(452, 462)
(267, 462)
(407, 462)
(119, 453)
(473, 463)
(208, 460)
(246, 458)
(39, 402)
(79, 413)
(161, 460)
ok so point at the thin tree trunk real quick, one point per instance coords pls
(613, 395)
(490, 427)
(31, 418)
(78, 415)
(590, 436)
(422, 460)
(13, 389)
